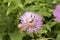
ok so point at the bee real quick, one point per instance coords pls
(28, 24)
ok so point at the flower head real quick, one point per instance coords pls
(57, 12)
(30, 22)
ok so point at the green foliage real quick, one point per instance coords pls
(58, 37)
(11, 10)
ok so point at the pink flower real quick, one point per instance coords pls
(57, 12)
(31, 22)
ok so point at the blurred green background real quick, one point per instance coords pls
(11, 10)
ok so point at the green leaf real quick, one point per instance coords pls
(28, 1)
(0, 37)
(58, 36)
(14, 5)
(9, 0)
(58, 1)
(10, 9)
(44, 12)
(31, 35)
(49, 25)
(16, 36)
(42, 31)
(33, 8)
(53, 23)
